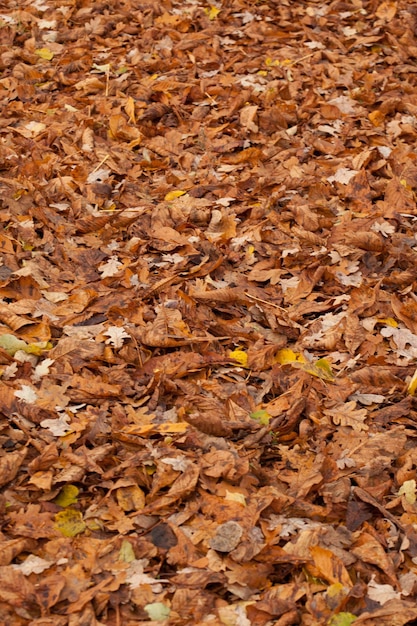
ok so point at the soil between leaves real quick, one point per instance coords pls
(208, 320)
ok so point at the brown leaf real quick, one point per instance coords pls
(348, 415)
(16, 590)
(9, 550)
(48, 591)
(365, 240)
(180, 488)
(207, 415)
(393, 613)
(31, 522)
(10, 464)
(95, 387)
(368, 549)
(227, 537)
(406, 311)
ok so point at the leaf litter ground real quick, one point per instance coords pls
(208, 313)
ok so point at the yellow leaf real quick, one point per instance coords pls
(272, 62)
(212, 12)
(69, 522)
(389, 321)
(126, 554)
(235, 496)
(240, 356)
(412, 385)
(335, 590)
(286, 356)
(261, 416)
(146, 430)
(67, 496)
(38, 348)
(45, 53)
(404, 183)
(171, 195)
(408, 489)
(320, 368)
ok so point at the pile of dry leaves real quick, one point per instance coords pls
(208, 319)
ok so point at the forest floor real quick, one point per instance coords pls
(208, 318)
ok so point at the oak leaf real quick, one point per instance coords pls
(347, 414)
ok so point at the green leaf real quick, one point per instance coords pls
(158, 611)
(12, 344)
(342, 619)
(126, 553)
(321, 368)
(408, 489)
(261, 416)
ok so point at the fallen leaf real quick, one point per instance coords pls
(59, 426)
(69, 522)
(227, 537)
(330, 567)
(347, 414)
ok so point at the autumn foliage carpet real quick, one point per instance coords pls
(208, 318)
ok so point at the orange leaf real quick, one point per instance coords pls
(330, 567)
